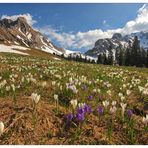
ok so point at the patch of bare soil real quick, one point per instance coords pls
(45, 126)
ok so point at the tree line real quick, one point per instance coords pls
(78, 58)
(133, 55)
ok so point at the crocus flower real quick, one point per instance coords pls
(109, 92)
(13, 87)
(94, 90)
(114, 103)
(8, 88)
(105, 103)
(69, 117)
(122, 98)
(80, 110)
(123, 106)
(81, 105)
(90, 97)
(128, 92)
(1, 128)
(120, 94)
(129, 113)
(113, 110)
(35, 97)
(87, 109)
(80, 117)
(74, 103)
(145, 119)
(73, 88)
(100, 110)
(56, 97)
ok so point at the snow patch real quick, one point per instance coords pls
(57, 59)
(29, 36)
(10, 49)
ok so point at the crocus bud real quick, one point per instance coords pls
(105, 103)
(114, 103)
(145, 119)
(123, 106)
(1, 128)
(113, 110)
(129, 113)
(35, 97)
(56, 97)
(74, 103)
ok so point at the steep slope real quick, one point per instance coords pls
(19, 32)
(117, 40)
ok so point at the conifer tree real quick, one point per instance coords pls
(135, 52)
(110, 56)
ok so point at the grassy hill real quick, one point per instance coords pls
(55, 119)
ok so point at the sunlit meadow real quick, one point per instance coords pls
(54, 101)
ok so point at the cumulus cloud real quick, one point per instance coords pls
(27, 16)
(65, 39)
(87, 39)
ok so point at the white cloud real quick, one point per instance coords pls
(87, 39)
(27, 16)
(65, 39)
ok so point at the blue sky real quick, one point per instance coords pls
(67, 25)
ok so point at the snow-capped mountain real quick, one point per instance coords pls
(117, 41)
(19, 32)
(142, 36)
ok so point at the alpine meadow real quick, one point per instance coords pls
(64, 79)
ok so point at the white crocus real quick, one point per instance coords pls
(94, 90)
(114, 103)
(128, 92)
(140, 88)
(1, 128)
(105, 103)
(74, 103)
(120, 94)
(35, 97)
(123, 106)
(122, 98)
(109, 92)
(81, 105)
(113, 110)
(13, 87)
(8, 88)
(56, 98)
(145, 119)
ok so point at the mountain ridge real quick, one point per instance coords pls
(19, 32)
(116, 41)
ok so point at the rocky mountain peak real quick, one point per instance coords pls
(117, 36)
(117, 41)
(21, 33)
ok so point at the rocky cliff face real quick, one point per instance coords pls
(117, 40)
(19, 32)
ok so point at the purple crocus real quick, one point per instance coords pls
(80, 117)
(87, 109)
(130, 113)
(100, 110)
(90, 97)
(69, 117)
(80, 110)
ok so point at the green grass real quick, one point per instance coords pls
(91, 76)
